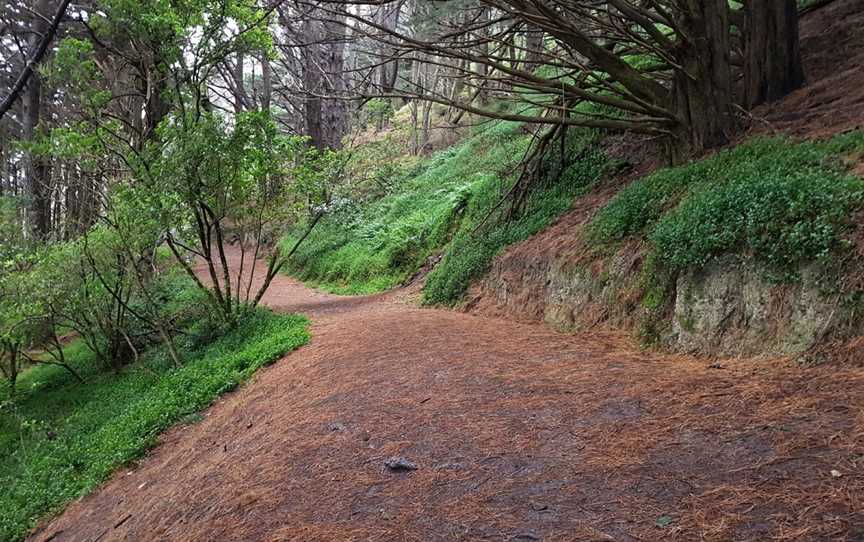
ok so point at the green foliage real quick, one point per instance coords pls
(197, 25)
(780, 221)
(59, 439)
(74, 66)
(367, 246)
(470, 253)
(781, 202)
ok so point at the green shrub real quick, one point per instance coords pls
(782, 202)
(781, 221)
(59, 439)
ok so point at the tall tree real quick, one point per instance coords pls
(773, 66)
(37, 168)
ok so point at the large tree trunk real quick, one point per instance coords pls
(772, 63)
(312, 81)
(325, 114)
(703, 96)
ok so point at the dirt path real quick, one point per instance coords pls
(519, 434)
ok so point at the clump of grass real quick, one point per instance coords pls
(59, 439)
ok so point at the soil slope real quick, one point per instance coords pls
(518, 433)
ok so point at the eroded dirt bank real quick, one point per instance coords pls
(519, 433)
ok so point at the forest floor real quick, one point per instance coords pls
(517, 433)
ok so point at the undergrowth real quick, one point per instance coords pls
(60, 438)
(369, 246)
(471, 252)
(373, 245)
(781, 202)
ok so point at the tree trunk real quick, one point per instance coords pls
(36, 169)
(703, 97)
(266, 82)
(239, 85)
(388, 17)
(325, 114)
(154, 83)
(772, 63)
(482, 69)
(533, 49)
(312, 80)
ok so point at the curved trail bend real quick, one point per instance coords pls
(519, 433)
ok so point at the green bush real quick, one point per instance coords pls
(59, 439)
(781, 221)
(782, 202)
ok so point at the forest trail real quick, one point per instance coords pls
(518, 433)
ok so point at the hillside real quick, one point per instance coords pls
(747, 252)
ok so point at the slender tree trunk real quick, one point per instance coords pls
(237, 74)
(482, 69)
(534, 49)
(773, 66)
(266, 82)
(36, 168)
(388, 17)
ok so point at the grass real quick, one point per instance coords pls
(59, 439)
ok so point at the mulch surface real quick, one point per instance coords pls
(517, 432)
